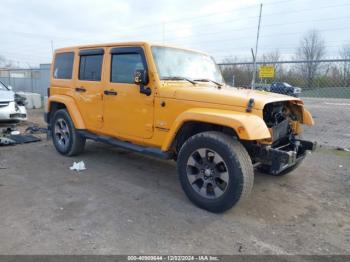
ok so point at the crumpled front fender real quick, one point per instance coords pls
(246, 125)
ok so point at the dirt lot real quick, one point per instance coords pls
(332, 121)
(130, 204)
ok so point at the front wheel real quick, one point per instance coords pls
(215, 171)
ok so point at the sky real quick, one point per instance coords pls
(223, 28)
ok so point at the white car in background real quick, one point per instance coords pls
(12, 106)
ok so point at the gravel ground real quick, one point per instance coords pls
(332, 121)
(126, 203)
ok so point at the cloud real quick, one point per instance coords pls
(222, 28)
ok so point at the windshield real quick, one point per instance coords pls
(2, 86)
(287, 85)
(174, 62)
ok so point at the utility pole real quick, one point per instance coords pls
(256, 49)
(31, 77)
(52, 46)
(163, 32)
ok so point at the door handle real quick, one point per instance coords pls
(80, 89)
(110, 93)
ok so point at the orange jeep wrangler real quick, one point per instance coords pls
(172, 103)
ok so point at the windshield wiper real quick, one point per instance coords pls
(179, 78)
(208, 80)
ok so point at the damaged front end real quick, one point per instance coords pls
(13, 109)
(284, 149)
(275, 160)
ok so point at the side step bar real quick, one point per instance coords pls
(127, 145)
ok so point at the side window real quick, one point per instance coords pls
(63, 67)
(124, 67)
(90, 67)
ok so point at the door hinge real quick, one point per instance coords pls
(149, 127)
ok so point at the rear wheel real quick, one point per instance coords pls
(215, 171)
(64, 135)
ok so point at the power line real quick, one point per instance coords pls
(274, 48)
(240, 19)
(286, 62)
(198, 40)
(270, 35)
(188, 18)
(268, 25)
(265, 15)
(251, 17)
(191, 18)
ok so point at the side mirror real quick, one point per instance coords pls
(141, 79)
(9, 87)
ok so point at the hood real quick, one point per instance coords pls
(7, 96)
(228, 96)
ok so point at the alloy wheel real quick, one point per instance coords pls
(61, 132)
(207, 173)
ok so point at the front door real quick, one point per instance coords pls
(89, 87)
(127, 112)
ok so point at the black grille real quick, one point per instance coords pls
(3, 104)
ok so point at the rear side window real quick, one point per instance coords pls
(63, 65)
(124, 67)
(90, 67)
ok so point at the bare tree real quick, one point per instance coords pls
(4, 63)
(312, 48)
(271, 56)
(345, 67)
(237, 75)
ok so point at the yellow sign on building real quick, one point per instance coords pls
(267, 71)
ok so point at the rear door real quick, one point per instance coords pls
(127, 112)
(89, 87)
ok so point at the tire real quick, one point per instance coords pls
(265, 169)
(215, 171)
(64, 135)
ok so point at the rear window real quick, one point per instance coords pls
(63, 67)
(90, 67)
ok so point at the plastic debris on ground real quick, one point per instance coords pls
(78, 166)
(11, 136)
(36, 130)
(24, 139)
(4, 141)
(15, 132)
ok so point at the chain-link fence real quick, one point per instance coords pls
(321, 78)
(27, 80)
(324, 86)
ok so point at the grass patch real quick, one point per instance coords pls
(331, 92)
(333, 151)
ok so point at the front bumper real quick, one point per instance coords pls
(284, 157)
(12, 112)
